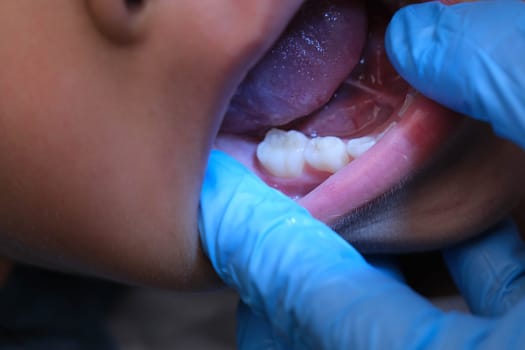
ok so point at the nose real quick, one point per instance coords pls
(118, 20)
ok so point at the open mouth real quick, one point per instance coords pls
(325, 118)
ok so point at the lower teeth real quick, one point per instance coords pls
(326, 154)
(357, 147)
(285, 154)
(282, 153)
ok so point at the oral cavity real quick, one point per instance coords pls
(325, 118)
(325, 92)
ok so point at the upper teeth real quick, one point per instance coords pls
(284, 153)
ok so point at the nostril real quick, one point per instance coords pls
(134, 5)
(121, 21)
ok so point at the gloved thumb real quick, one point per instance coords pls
(274, 254)
(304, 286)
(468, 57)
(490, 270)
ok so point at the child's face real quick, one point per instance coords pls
(108, 109)
(107, 113)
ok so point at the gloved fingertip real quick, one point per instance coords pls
(254, 331)
(387, 264)
(220, 161)
(223, 176)
(490, 270)
(409, 36)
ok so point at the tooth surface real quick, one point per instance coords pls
(356, 147)
(281, 153)
(326, 154)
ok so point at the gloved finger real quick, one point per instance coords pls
(312, 286)
(490, 271)
(387, 264)
(273, 252)
(467, 57)
(254, 332)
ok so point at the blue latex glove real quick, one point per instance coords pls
(305, 287)
(469, 57)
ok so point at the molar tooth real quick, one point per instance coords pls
(357, 147)
(326, 154)
(281, 153)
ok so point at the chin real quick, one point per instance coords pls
(325, 119)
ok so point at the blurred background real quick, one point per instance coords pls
(44, 310)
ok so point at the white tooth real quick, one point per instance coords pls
(326, 154)
(281, 153)
(356, 147)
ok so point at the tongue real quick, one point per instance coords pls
(318, 51)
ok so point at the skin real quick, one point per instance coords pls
(107, 115)
(106, 119)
